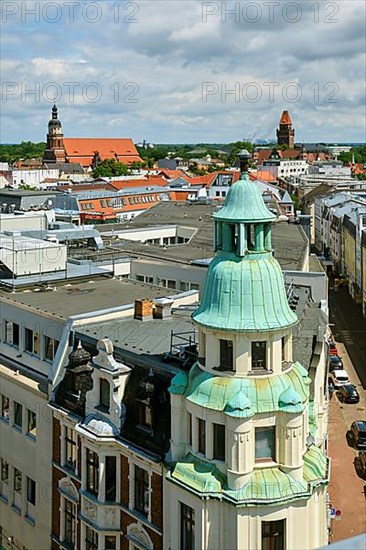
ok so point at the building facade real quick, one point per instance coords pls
(246, 469)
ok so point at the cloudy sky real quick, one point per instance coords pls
(184, 71)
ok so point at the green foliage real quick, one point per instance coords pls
(23, 150)
(235, 148)
(27, 187)
(361, 176)
(110, 168)
(358, 153)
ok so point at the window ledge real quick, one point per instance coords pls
(4, 498)
(16, 509)
(260, 372)
(30, 520)
(18, 428)
(5, 420)
(102, 408)
(265, 463)
(31, 436)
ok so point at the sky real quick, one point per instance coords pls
(184, 71)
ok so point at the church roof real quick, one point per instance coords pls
(83, 150)
(285, 118)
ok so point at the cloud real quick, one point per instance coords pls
(147, 66)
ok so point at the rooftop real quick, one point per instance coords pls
(289, 240)
(84, 297)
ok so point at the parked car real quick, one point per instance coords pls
(358, 433)
(332, 349)
(339, 378)
(348, 394)
(360, 463)
(335, 363)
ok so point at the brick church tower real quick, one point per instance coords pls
(55, 151)
(285, 132)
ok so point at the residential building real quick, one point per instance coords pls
(246, 468)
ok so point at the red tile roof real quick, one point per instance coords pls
(172, 174)
(123, 184)
(285, 118)
(83, 150)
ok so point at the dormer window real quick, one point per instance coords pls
(259, 355)
(104, 394)
(226, 355)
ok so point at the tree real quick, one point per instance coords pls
(236, 147)
(110, 168)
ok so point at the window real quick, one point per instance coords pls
(141, 491)
(12, 333)
(104, 394)
(195, 286)
(201, 436)
(31, 341)
(259, 355)
(70, 522)
(186, 527)
(172, 284)
(31, 491)
(91, 539)
(149, 280)
(189, 422)
(110, 478)
(109, 543)
(32, 424)
(50, 347)
(70, 448)
(265, 444)
(145, 415)
(273, 535)
(17, 481)
(18, 414)
(92, 472)
(102, 203)
(140, 278)
(226, 354)
(184, 285)
(130, 200)
(109, 202)
(283, 348)
(4, 471)
(5, 408)
(219, 441)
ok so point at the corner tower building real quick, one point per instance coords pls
(244, 473)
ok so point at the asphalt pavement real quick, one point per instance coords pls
(349, 329)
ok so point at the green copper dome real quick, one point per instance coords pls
(244, 203)
(245, 294)
(244, 288)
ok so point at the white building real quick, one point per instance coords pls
(248, 465)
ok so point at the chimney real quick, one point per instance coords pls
(144, 310)
(163, 308)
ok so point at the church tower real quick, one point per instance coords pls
(55, 151)
(285, 132)
(244, 472)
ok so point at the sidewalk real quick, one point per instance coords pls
(346, 489)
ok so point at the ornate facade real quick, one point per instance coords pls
(245, 469)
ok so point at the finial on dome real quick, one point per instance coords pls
(244, 157)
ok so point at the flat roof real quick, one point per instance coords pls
(84, 297)
(288, 240)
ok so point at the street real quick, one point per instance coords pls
(349, 329)
(346, 489)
